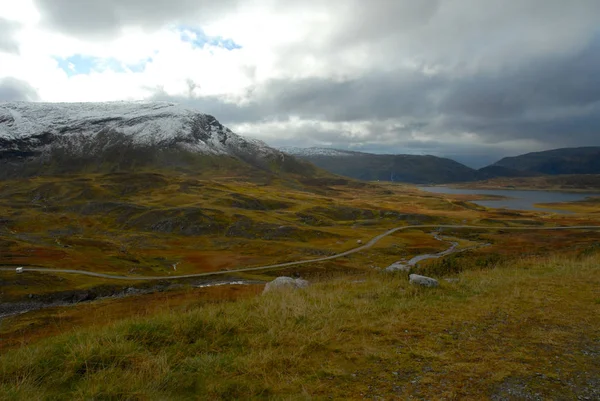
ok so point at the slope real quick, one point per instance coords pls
(585, 160)
(414, 169)
(58, 138)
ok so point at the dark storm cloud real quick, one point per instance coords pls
(556, 100)
(95, 18)
(547, 100)
(375, 96)
(8, 42)
(12, 89)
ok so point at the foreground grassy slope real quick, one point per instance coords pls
(526, 329)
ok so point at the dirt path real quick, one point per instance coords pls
(300, 262)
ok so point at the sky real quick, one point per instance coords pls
(468, 79)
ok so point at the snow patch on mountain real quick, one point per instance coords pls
(316, 151)
(145, 123)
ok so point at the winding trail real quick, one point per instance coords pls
(300, 262)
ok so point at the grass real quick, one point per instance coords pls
(567, 183)
(21, 330)
(530, 327)
(143, 223)
(504, 328)
(590, 206)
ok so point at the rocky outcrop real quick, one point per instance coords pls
(423, 281)
(285, 283)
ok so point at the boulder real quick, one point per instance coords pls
(398, 267)
(423, 281)
(285, 283)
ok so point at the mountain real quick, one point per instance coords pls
(494, 171)
(404, 168)
(53, 138)
(555, 162)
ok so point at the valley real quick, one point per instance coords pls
(141, 274)
(299, 200)
(571, 169)
(287, 228)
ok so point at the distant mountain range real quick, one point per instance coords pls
(437, 170)
(58, 138)
(371, 167)
(55, 138)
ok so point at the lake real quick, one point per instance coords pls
(515, 199)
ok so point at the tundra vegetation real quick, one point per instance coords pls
(518, 318)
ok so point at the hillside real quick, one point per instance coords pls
(574, 183)
(136, 239)
(413, 169)
(57, 138)
(556, 162)
(524, 330)
(494, 171)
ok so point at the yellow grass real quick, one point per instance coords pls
(528, 328)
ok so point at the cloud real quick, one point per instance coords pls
(97, 19)
(16, 90)
(477, 118)
(448, 77)
(8, 42)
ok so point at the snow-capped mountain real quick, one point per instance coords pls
(122, 133)
(315, 151)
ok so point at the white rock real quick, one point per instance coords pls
(423, 281)
(398, 267)
(285, 283)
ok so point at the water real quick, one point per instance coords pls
(515, 200)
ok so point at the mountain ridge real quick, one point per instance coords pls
(415, 169)
(38, 138)
(428, 169)
(579, 160)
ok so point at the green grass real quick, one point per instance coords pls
(531, 326)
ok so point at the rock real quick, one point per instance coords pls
(132, 291)
(285, 283)
(398, 267)
(423, 281)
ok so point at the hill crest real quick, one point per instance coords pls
(123, 135)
